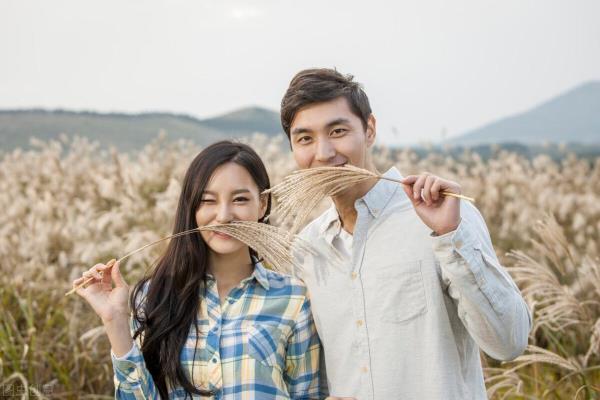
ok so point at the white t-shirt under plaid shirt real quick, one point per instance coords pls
(261, 343)
(406, 313)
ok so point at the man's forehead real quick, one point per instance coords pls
(321, 114)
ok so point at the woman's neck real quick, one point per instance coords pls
(230, 269)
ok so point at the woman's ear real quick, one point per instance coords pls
(264, 204)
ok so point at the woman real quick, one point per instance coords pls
(210, 320)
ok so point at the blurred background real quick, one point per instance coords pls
(104, 104)
(464, 72)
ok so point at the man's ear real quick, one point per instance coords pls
(371, 130)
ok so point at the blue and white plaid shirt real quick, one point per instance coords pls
(261, 343)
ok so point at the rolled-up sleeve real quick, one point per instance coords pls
(131, 376)
(489, 303)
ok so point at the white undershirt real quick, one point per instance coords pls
(343, 243)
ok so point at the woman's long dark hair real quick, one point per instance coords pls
(172, 301)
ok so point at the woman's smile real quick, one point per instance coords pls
(222, 236)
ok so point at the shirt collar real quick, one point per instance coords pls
(260, 274)
(379, 196)
(376, 200)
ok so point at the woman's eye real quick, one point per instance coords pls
(238, 199)
(207, 201)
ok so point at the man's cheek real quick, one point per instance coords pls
(302, 159)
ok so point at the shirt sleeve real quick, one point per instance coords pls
(303, 357)
(489, 303)
(131, 377)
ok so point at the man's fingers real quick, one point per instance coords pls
(410, 179)
(418, 186)
(435, 189)
(427, 189)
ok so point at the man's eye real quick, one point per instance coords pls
(304, 139)
(338, 131)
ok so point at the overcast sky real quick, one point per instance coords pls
(427, 66)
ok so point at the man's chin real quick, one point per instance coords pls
(348, 192)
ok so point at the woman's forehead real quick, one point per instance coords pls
(230, 177)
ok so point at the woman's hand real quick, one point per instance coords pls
(110, 303)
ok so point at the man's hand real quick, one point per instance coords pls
(440, 213)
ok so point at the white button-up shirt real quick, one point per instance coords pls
(405, 314)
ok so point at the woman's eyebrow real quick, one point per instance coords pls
(237, 191)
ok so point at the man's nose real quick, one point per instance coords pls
(325, 150)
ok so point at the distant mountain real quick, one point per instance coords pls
(572, 117)
(131, 131)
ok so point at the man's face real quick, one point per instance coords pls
(330, 134)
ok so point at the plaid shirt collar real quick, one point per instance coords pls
(260, 274)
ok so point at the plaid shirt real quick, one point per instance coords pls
(261, 343)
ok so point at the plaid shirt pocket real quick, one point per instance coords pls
(264, 344)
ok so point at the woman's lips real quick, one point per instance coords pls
(221, 235)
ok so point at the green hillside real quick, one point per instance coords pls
(131, 131)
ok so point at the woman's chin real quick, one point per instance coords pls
(224, 246)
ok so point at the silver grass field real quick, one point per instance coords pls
(67, 205)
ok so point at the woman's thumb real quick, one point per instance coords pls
(116, 276)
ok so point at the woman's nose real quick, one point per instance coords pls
(224, 214)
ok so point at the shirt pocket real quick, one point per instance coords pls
(264, 344)
(402, 291)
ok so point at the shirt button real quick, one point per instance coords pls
(214, 360)
(359, 322)
(354, 275)
(365, 369)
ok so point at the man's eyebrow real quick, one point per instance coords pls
(337, 121)
(297, 131)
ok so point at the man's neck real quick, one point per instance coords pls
(344, 203)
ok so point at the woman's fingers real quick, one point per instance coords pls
(116, 276)
(78, 281)
(92, 274)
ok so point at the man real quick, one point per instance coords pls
(421, 289)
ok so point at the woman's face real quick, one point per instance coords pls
(230, 195)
